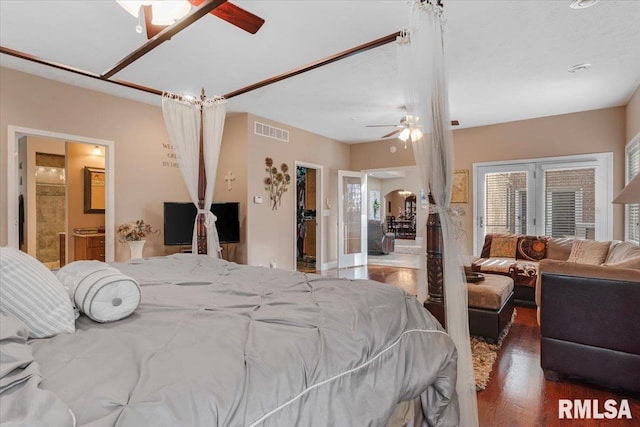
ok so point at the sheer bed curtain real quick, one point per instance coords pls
(422, 65)
(182, 118)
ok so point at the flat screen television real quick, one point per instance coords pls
(180, 217)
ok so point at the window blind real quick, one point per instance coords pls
(632, 217)
(506, 202)
(569, 207)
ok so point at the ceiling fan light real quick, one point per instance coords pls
(168, 11)
(416, 134)
(404, 135)
(131, 6)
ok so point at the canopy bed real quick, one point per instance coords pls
(215, 343)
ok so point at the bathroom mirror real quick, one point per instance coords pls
(94, 194)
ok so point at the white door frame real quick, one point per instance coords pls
(17, 132)
(604, 189)
(344, 260)
(320, 238)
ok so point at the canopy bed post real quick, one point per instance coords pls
(426, 96)
(435, 274)
(195, 128)
(202, 183)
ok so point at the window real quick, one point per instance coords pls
(570, 203)
(632, 212)
(559, 197)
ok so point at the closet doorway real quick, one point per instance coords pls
(308, 213)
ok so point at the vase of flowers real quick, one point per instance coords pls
(276, 182)
(135, 235)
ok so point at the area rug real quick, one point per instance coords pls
(484, 355)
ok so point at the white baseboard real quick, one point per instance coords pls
(329, 265)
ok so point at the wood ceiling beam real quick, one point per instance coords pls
(59, 66)
(164, 35)
(312, 66)
(333, 58)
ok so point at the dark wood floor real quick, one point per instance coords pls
(517, 393)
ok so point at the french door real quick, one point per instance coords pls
(560, 197)
(352, 219)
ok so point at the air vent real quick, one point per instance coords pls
(271, 132)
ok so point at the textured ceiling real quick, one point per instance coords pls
(508, 60)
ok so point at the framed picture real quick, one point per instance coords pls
(460, 189)
(374, 205)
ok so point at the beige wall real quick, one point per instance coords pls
(233, 158)
(145, 172)
(271, 233)
(568, 134)
(376, 155)
(633, 115)
(142, 183)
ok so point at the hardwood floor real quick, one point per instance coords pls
(517, 394)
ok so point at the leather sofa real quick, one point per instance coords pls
(589, 319)
(379, 242)
(521, 260)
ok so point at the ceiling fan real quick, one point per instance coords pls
(406, 127)
(158, 15)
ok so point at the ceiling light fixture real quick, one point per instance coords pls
(582, 4)
(579, 67)
(164, 12)
(97, 151)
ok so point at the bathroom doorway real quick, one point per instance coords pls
(46, 192)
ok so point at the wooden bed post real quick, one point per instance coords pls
(202, 184)
(435, 268)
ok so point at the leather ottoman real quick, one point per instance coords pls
(490, 305)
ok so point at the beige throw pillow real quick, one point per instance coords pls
(589, 252)
(503, 247)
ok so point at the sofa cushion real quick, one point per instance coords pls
(494, 265)
(622, 252)
(589, 252)
(559, 248)
(631, 263)
(531, 248)
(503, 247)
(490, 293)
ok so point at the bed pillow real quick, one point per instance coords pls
(589, 252)
(32, 294)
(100, 291)
(503, 247)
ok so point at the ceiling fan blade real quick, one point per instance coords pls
(236, 16)
(392, 133)
(383, 126)
(152, 30)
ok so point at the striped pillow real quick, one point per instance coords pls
(32, 294)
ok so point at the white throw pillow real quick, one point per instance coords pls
(100, 291)
(32, 294)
